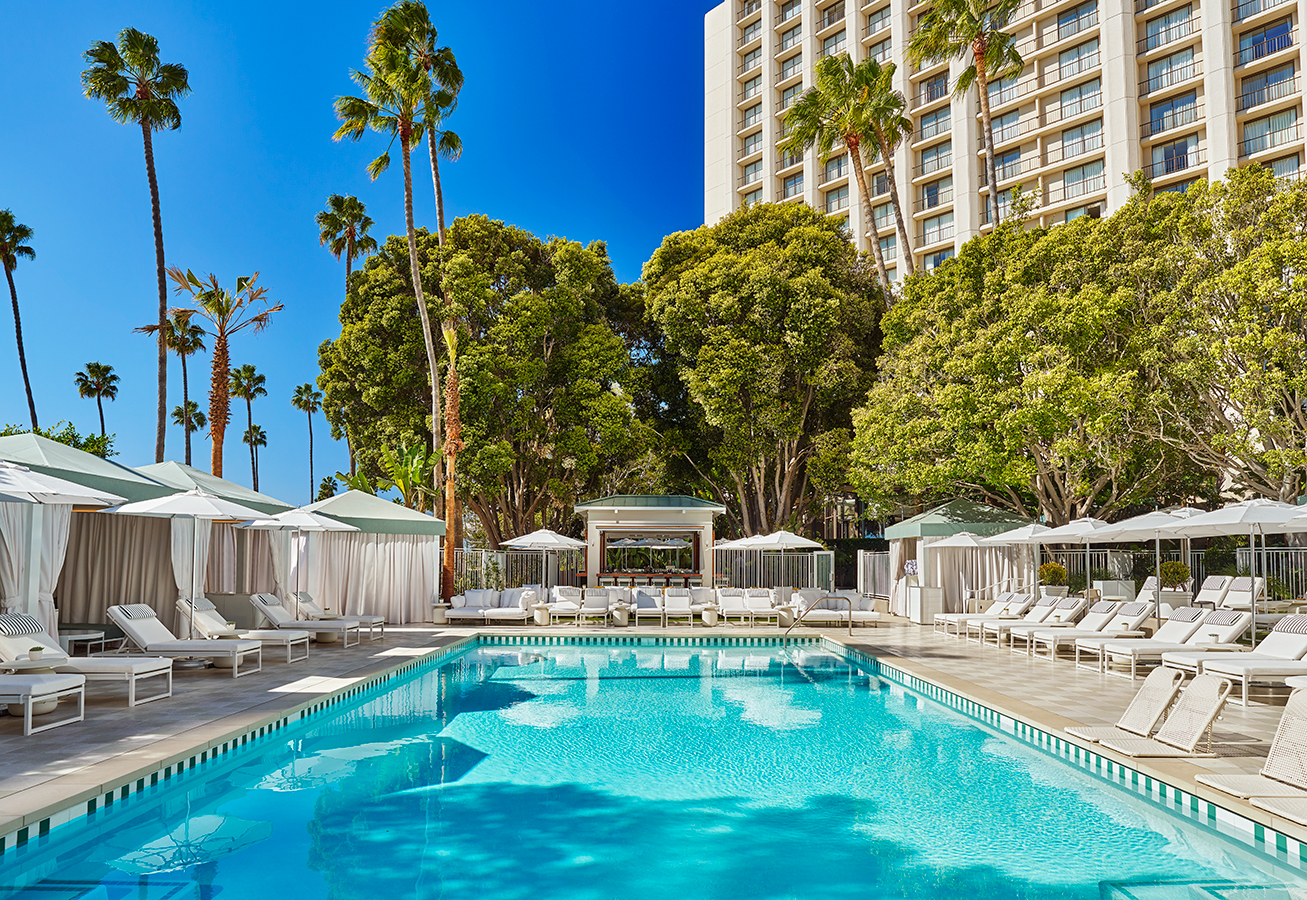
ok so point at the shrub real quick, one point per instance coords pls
(1174, 574)
(1052, 573)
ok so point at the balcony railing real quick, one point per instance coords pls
(1145, 5)
(1174, 118)
(934, 164)
(935, 235)
(1250, 8)
(751, 34)
(1265, 47)
(1085, 103)
(749, 178)
(829, 175)
(791, 67)
(831, 16)
(1072, 149)
(1171, 77)
(748, 65)
(750, 147)
(933, 129)
(1168, 35)
(1268, 93)
(934, 201)
(1070, 190)
(1010, 133)
(785, 161)
(1180, 162)
(1270, 140)
(931, 93)
(836, 48)
(1006, 172)
(787, 15)
(749, 8)
(875, 27)
(1077, 25)
(790, 41)
(1076, 66)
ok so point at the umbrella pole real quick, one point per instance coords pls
(1157, 593)
(1252, 570)
(195, 552)
(1088, 574)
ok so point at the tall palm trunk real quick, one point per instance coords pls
(453, 437)
(440, 195)
(161, 428)
(433, 364)
(986, 125)
(186, 409)
(99, 404)
(22, 357)
(312, 482)
(855, 158)
(219, 401)
(905, 244)
(349, 258)
(254, 459)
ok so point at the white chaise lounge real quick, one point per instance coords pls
(1283, 774)
(1276, 657)
(1127, 618)
(19, 633)
(1143, 714)
(214, 627)
(1181, 625)
(1188, 721)
(29, 691)
(282, 619)
(309, 609)
(1033, 614)
(1225, 626)
(1064, 609)
(144, 631)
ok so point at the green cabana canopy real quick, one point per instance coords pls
(53, 458)
(186, 478)
(953, 517)
(374, 515)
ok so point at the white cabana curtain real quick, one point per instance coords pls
(220, 573)
(279, 547)
(12, 521)
(223, 574)
(115, 559)
(56, 519)
(951, 569)
(392, 575)
(185, 553)
(900, 551)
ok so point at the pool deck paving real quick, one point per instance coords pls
(45, 773)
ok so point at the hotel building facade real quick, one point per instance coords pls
(1180, 89)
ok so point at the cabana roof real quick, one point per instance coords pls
(41, 454)
(649, 501)
(374, 515)
(954, 517)
(187, 478)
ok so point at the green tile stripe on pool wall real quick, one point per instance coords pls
(20, 836)
(1202, 813)
(635, 640)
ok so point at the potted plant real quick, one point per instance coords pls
(1175, 575)
(1052, 579)
(35, 653)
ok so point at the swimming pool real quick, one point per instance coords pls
(635, 771)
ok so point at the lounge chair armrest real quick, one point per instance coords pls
(1058, 625)
(1216, 646)
(1133, 633)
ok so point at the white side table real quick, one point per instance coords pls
(709, 615)
(541, 613)
(80, 636)
(438, 614)
(621, 615)
(784, 616)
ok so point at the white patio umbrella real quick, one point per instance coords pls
(1149, 526)
(1073, 532)
(194, 505)
(298, 521)
(19, 484)
(1250, 517)
(1027, 535)
(545, 541)
(778, 540)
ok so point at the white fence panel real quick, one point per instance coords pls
(873, 573)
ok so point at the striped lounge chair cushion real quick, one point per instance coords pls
(200, 603)
(1103, 606)
(1134, 609)
(1292, 625)
(1069, 603)
(14, 624)
(137, 611)
(1224, 617)
(267, 600)
(1242, 584)
(1186, 614)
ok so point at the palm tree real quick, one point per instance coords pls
(394, 103)
(835, 111)
(956, 28)
(14, 239)
(97, 380)
(307, 400)
(227, 313)
(184, 338)
(139, 89)
(190, 418)
(247, 384)
(255, 437)
(344, 228)
(889, 126)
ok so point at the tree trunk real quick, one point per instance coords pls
(312, 482)
(99, 405)
(435, 182)
(905, 248)
(186, 409)
(162, 425)
(427, 338)
(249, 425)
(349, 258)
(453, 444)
(855, 159)
(987, 130)
(219, 402)
(22, 357)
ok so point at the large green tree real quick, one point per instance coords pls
(14, 245)
(772, 321)
(139, 89)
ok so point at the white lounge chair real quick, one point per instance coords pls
(677, 606)
(1225, 626)
(565, 603)
(944, 620)
(1033, 614)
(19, 633)
(1065, 615)
(1053, 609)
(731, 605)
(1127, 618)
(1188, 721)
(1276, 657)
(595, 603)
(1213, 590)
(309, 609)
(648, 603)
(1016, 606)
(762, 605)
(1180, 626)
(1283, 774)
(28, 691)
(144, 631)
(280, 617)
(1146, 709)
(211, 625)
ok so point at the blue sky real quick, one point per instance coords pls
(582, 120)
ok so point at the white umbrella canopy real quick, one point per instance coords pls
(297, 520)
(1026, 534)
(1072, 532)
(963, 540)
(22, 484)
(1142, 528)
(777, 540)
(544, 539)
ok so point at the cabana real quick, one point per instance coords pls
(949, 569)
(664, 518)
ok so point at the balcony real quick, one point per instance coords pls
(1268, 93)
(1250, 8)
(934, 129)
(1086, 103)
(1167, 35)
(788, 161)
(749, 8)
(1007, 171)
(1175, 118)
(788, 15)
(1077, 25)
(831, 16)
(1011, 132)
(1075, 67)
(876, 26)
(1073, 149)
(1171, 77)
(1265, 47)
(935, 164)
(749, 65)
(1271, 140)
(934, 236)
(932, 92)
(934, 201)
(1180, 162)
(749, 178)
(831, 175)
(835, 49)
(791, 67)
(1070, 190)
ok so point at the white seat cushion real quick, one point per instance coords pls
(38, 685)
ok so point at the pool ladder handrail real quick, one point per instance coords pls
(799, 617)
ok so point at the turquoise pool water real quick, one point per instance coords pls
(623, 772)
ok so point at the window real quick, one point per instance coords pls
(790, 9)
(1002, 91)
(1074, 21)
(878, 21)
(1082, 138)
(935, 158)
(836, 43)
(935, 260)
(1171, 70)
(935, 88)
(1173, 113)
(831, 15)
(1286, 167)
(889, 245)
(1005, 126)
(1167, 28)
(752, 86)
(1266, 86)
(790, 94)
(791, 66)
(751, 144)
(753, 172)
(937, 228)
(792, 186)
(754, 196)
(1083, 179)
(1078, 59)
(936, 192)
(1178, 188)
(836, 167)
(1174, 157)
(837, 199)
(937, 122)
(791, 37)
(881, 215)
(1082, 98)
(1004, 203)
(1264, 41)
(752, 60)
(1270, 131)
(785, 160)
(880, 51)
(752, 116)
(1007, 165)
(751, 33)
(879, 184)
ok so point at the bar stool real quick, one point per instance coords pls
(607, 581)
